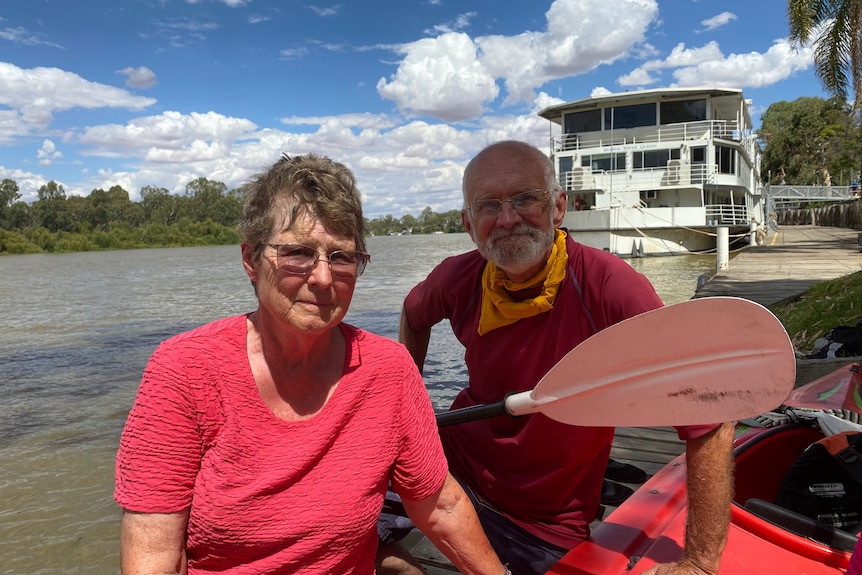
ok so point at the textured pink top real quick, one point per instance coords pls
(268, 495)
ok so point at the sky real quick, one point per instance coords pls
(135, 93)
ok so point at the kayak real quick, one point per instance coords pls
(763, 538)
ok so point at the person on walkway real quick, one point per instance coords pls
(523, 299)
(263, 443)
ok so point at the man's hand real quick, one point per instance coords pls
(683, 567)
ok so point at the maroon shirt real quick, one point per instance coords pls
(545, 475)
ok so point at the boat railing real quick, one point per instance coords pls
(703, 130)
(675, 174)
(727, 215)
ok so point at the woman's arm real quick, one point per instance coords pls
(153, 543)
(448, 519)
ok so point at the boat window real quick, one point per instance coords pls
(621, 117)
(577, 122)
(698, 155)
(605, 162)
(654, 158)
(682, 111)
(564, 168)
(725, 159)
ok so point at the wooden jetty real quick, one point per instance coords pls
(789, 262)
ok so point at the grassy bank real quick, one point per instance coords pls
(826, 305)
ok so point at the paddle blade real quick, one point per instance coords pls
(706, 360)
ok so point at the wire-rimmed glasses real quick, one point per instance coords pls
(298, 259)
(530, 202)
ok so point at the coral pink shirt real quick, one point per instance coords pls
(268, 495)
(544, 475)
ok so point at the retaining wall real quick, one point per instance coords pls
(843, 215)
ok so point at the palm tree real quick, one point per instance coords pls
(835, 26)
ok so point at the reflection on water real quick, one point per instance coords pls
(77, 330)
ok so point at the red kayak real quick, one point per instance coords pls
(764, 538)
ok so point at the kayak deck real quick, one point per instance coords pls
(650, 527)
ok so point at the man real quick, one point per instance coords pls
(519, 303)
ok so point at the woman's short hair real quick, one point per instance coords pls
(309, 185)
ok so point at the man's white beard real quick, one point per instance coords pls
(517, 249)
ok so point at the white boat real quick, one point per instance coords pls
(657, 172)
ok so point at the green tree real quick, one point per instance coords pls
(8, 196)
(837, 45)
(808, 141)
(160, 207)
(109, 207)
(205, 195)
(50, 210)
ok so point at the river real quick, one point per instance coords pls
(76, 331)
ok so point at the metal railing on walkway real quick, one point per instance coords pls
(790, 197)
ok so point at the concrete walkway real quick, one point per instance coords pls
(791, 261)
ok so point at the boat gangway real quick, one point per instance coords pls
(784, 197)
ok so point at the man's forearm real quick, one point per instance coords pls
(416, 342)
(710, 491)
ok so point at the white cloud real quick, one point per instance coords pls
(751, 70)
(707, 65)
(461, 21)
(441, 77)
(28, 182)
(599, 91)
(718, 21)
(326, 11)
(48, 153)
(637, 77)
(293, 53)
(21, 36)
(453, 77)
(140, 77)
(169, 137)
(37, 93)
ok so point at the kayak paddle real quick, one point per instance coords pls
(707, 360)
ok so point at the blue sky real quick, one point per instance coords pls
(97, 93)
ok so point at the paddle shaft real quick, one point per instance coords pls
(473, 413)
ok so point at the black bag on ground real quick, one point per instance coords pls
(825, 482)
(851, 337)
(841, 341)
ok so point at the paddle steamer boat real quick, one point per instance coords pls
(657, 172)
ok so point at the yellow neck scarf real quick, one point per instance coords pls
(498, 307)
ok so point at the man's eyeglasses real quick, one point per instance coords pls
(531, 202)
(298, 259)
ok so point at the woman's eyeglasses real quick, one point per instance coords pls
(298, 259)
(531, 202)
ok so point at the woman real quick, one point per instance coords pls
(264, 443)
